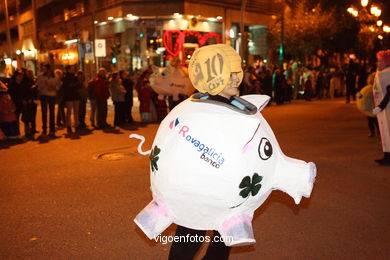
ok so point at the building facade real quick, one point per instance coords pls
(131, 34)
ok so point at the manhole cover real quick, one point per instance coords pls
(112, 156)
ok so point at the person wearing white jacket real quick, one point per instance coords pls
(118, 93)
(48, 85)
(381, 92)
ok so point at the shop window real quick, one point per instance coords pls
(28, 28)
(257, 44)
(14, 33)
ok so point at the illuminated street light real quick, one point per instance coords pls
(364, 3)
(380, 37)
(386, 28)
(379, 22)
(375, 11)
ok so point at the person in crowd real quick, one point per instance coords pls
(31, 82)
(249, 81)
(8, 120)
(365, 104)
(22, 97)
(144, 75)
(83, 94)
(351, 81)
(71, 91)
(381, 93)
(295, 78)
(118, 93)
(224, 96)
(266, 83)
(101, 93)
(320, 83)
(327, 78)
(279, 86)
(92, 101)
(128, 84)
(160, 103)
(60, 100)
(146, 104)
(362, 75)
(333, 83)
(308, 88)
(48, 85)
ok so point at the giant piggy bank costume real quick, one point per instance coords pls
(213, 164)
(171, 81)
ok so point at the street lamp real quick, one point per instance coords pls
(375, 11)
(352, 11)
(364, 3)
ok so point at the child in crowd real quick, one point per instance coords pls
(146, 105)
(8, 120)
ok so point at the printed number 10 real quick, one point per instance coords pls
(211, 70)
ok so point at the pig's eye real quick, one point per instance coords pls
(265, 149)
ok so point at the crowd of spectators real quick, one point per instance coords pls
(63, 95)
(297, 80)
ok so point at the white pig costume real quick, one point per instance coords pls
(213, 164)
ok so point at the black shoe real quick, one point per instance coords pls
(69, 130)
(385, 160)
(30, 136)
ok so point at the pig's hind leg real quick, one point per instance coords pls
(153, 219)
(237, 230)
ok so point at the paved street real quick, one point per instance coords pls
(76, 198)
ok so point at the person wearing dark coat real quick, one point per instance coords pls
(22, 97)
(31, 81)
(128, 84)
(83, 95)
(266, 83)
(101, 93)
(71, 91)
(351, 81)
(279, 85)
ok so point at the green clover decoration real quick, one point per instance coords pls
(154, 158)
(250, 186)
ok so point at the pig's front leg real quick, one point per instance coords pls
(237, 231)
(153, 219)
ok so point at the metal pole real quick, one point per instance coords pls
(281, 59)
(10, 50)
(92, 4)
(35, 33)
(242, 28)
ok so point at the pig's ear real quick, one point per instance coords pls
(260, 101)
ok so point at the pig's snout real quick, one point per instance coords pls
(296, 178)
